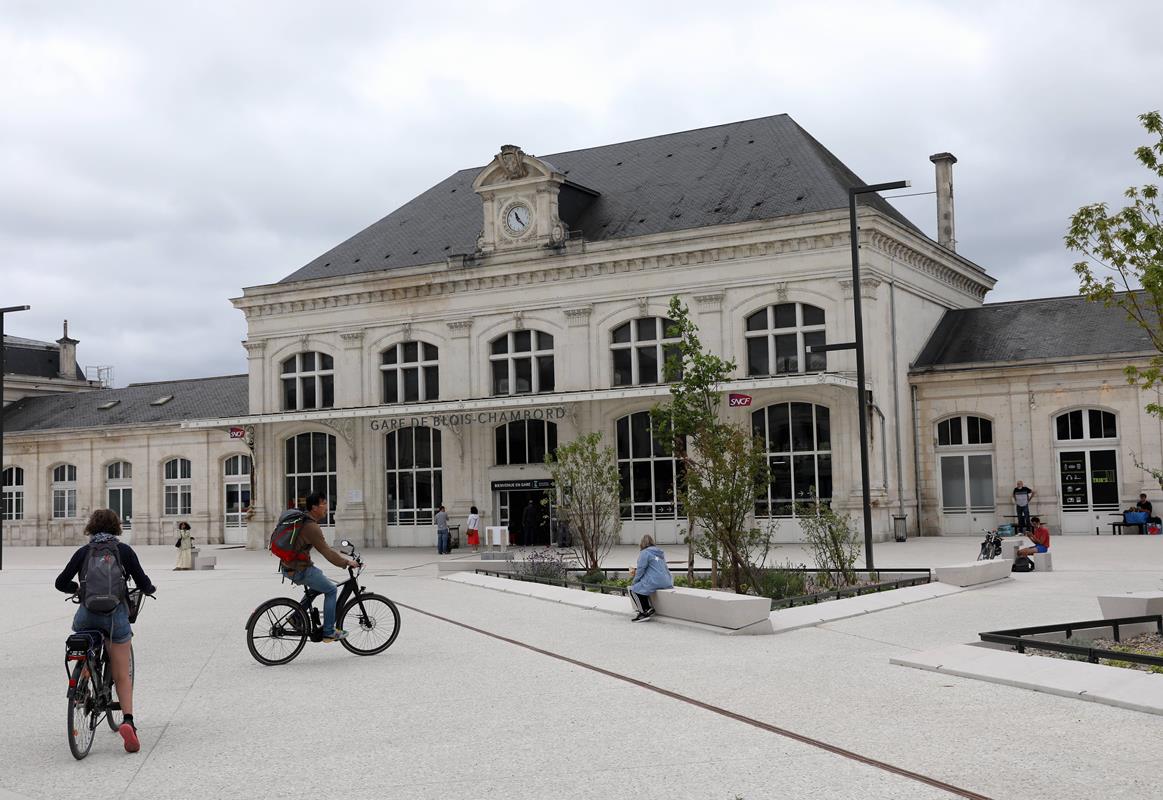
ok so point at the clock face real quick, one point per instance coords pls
(517, 219)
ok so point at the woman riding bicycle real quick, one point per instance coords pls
(104, 527)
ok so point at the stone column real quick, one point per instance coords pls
(457, 382)
(256, 374)
(572, 359)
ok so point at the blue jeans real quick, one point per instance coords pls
(443, 541)
(314, 579)
(115, 624)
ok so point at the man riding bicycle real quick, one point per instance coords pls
(304, 573)
(103, 529)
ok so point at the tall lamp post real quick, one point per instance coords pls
(3, 311)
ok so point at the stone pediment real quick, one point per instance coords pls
(514, 167)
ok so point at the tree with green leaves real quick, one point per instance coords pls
(723, 465)
(585, 475)
(1124, 251)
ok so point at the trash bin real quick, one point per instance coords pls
(900, 529)
(453, 537)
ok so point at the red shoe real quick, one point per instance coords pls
(129, 734)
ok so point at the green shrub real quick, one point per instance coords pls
(783, 581)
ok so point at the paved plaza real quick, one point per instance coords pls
(452, 712)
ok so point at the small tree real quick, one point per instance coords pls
(587, 486)
(833, 540)
(1128, 245)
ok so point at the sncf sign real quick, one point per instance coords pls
(237, 433)
(738, 400)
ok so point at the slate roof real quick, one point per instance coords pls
(200, 398)
(742, 171)
(30, 357)
(1053, 328)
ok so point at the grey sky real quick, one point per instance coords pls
(156, 157)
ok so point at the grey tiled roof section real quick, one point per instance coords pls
(757, 169)
(40, 361)
(201, 398)
(1054, 328)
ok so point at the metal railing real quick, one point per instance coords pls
(1017, 638)
(852, 591)
(598, 587)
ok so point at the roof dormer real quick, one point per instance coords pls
(520, 196)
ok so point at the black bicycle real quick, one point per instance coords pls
(278, 629)
(92, 694)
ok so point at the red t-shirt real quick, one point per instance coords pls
(1041, 535)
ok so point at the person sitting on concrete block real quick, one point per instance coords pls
(1040, 536)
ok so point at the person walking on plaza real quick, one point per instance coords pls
(443, 541)
(528, 524)
(648, 576)
(304, 572)
(185, 545)
(1022, 496)
(472, 529)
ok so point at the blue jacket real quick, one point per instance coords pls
(651, 574)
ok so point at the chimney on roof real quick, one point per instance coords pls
(945, 234)
(68, 351)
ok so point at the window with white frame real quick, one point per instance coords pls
(1085, 423)
(522, 363)
(176, 487)
(236, 490)
(12, 503)
(64, 492)
(797, 439)
(525, 441)
(119, 491)
(310, 467)
(778, 338)
(411, 373)
(965, 456)
(308, 381)
(415, 483)
(649, 475)
(640, 349)
(1086, 440)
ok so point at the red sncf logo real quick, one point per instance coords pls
(738, 400)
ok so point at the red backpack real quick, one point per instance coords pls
(285, 543)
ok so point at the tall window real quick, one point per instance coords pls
(522, 362)
(525, 441)
(236, 488)
(410, 372)
(640, 349)
(12, 503)
(648, 475)
(64, 492)
(176, 487)
(308, 381)
(119, 491)
(778, 337)
(966, 475)
(1088, 471)
(798, 440)
(415, 487)
(309, 466)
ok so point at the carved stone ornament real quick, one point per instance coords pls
(579, 316)
(460, 327)
(304, 341)
(710, 302)
(255, 349)
(512, 160)
(406, 331)
(643, 305)
(352, 338)
(781, 292)
(345, 427)
(519, 320)
(868, 288)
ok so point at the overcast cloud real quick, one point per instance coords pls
(155, 158)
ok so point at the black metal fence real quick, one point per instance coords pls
(1018, 638)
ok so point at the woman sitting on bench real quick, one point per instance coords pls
(1040, 536)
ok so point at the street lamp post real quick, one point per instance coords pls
(862, 403)
(3, 311)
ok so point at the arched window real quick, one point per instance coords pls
(309, 467)
(797, 438)
(1085, 423)
(640, 349)
(965, 454)
(236, 488)
(177, 487)
(778, 337)
(525, 441)
(308, 381)
(12, 505)
(119, 491)
(522, 362)
(649, 476)
(1088, 471)
(411, 373)
(415, 486)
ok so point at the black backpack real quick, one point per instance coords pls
(103, 577)
(1022, 564)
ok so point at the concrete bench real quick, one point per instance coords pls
(719, 609)
(1132, 604)
(1042, 561)
(205, 562)
(973, 572)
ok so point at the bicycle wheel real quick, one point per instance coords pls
(276, 631)
(83, 716)
(375, 623)
(115, 717)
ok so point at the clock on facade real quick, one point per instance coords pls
(518, 218)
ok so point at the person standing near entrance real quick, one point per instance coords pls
(185, 545)
(528, 524)
(443, 541)
(473, 529)
(1022, 495)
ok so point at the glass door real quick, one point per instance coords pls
(1089, 484)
